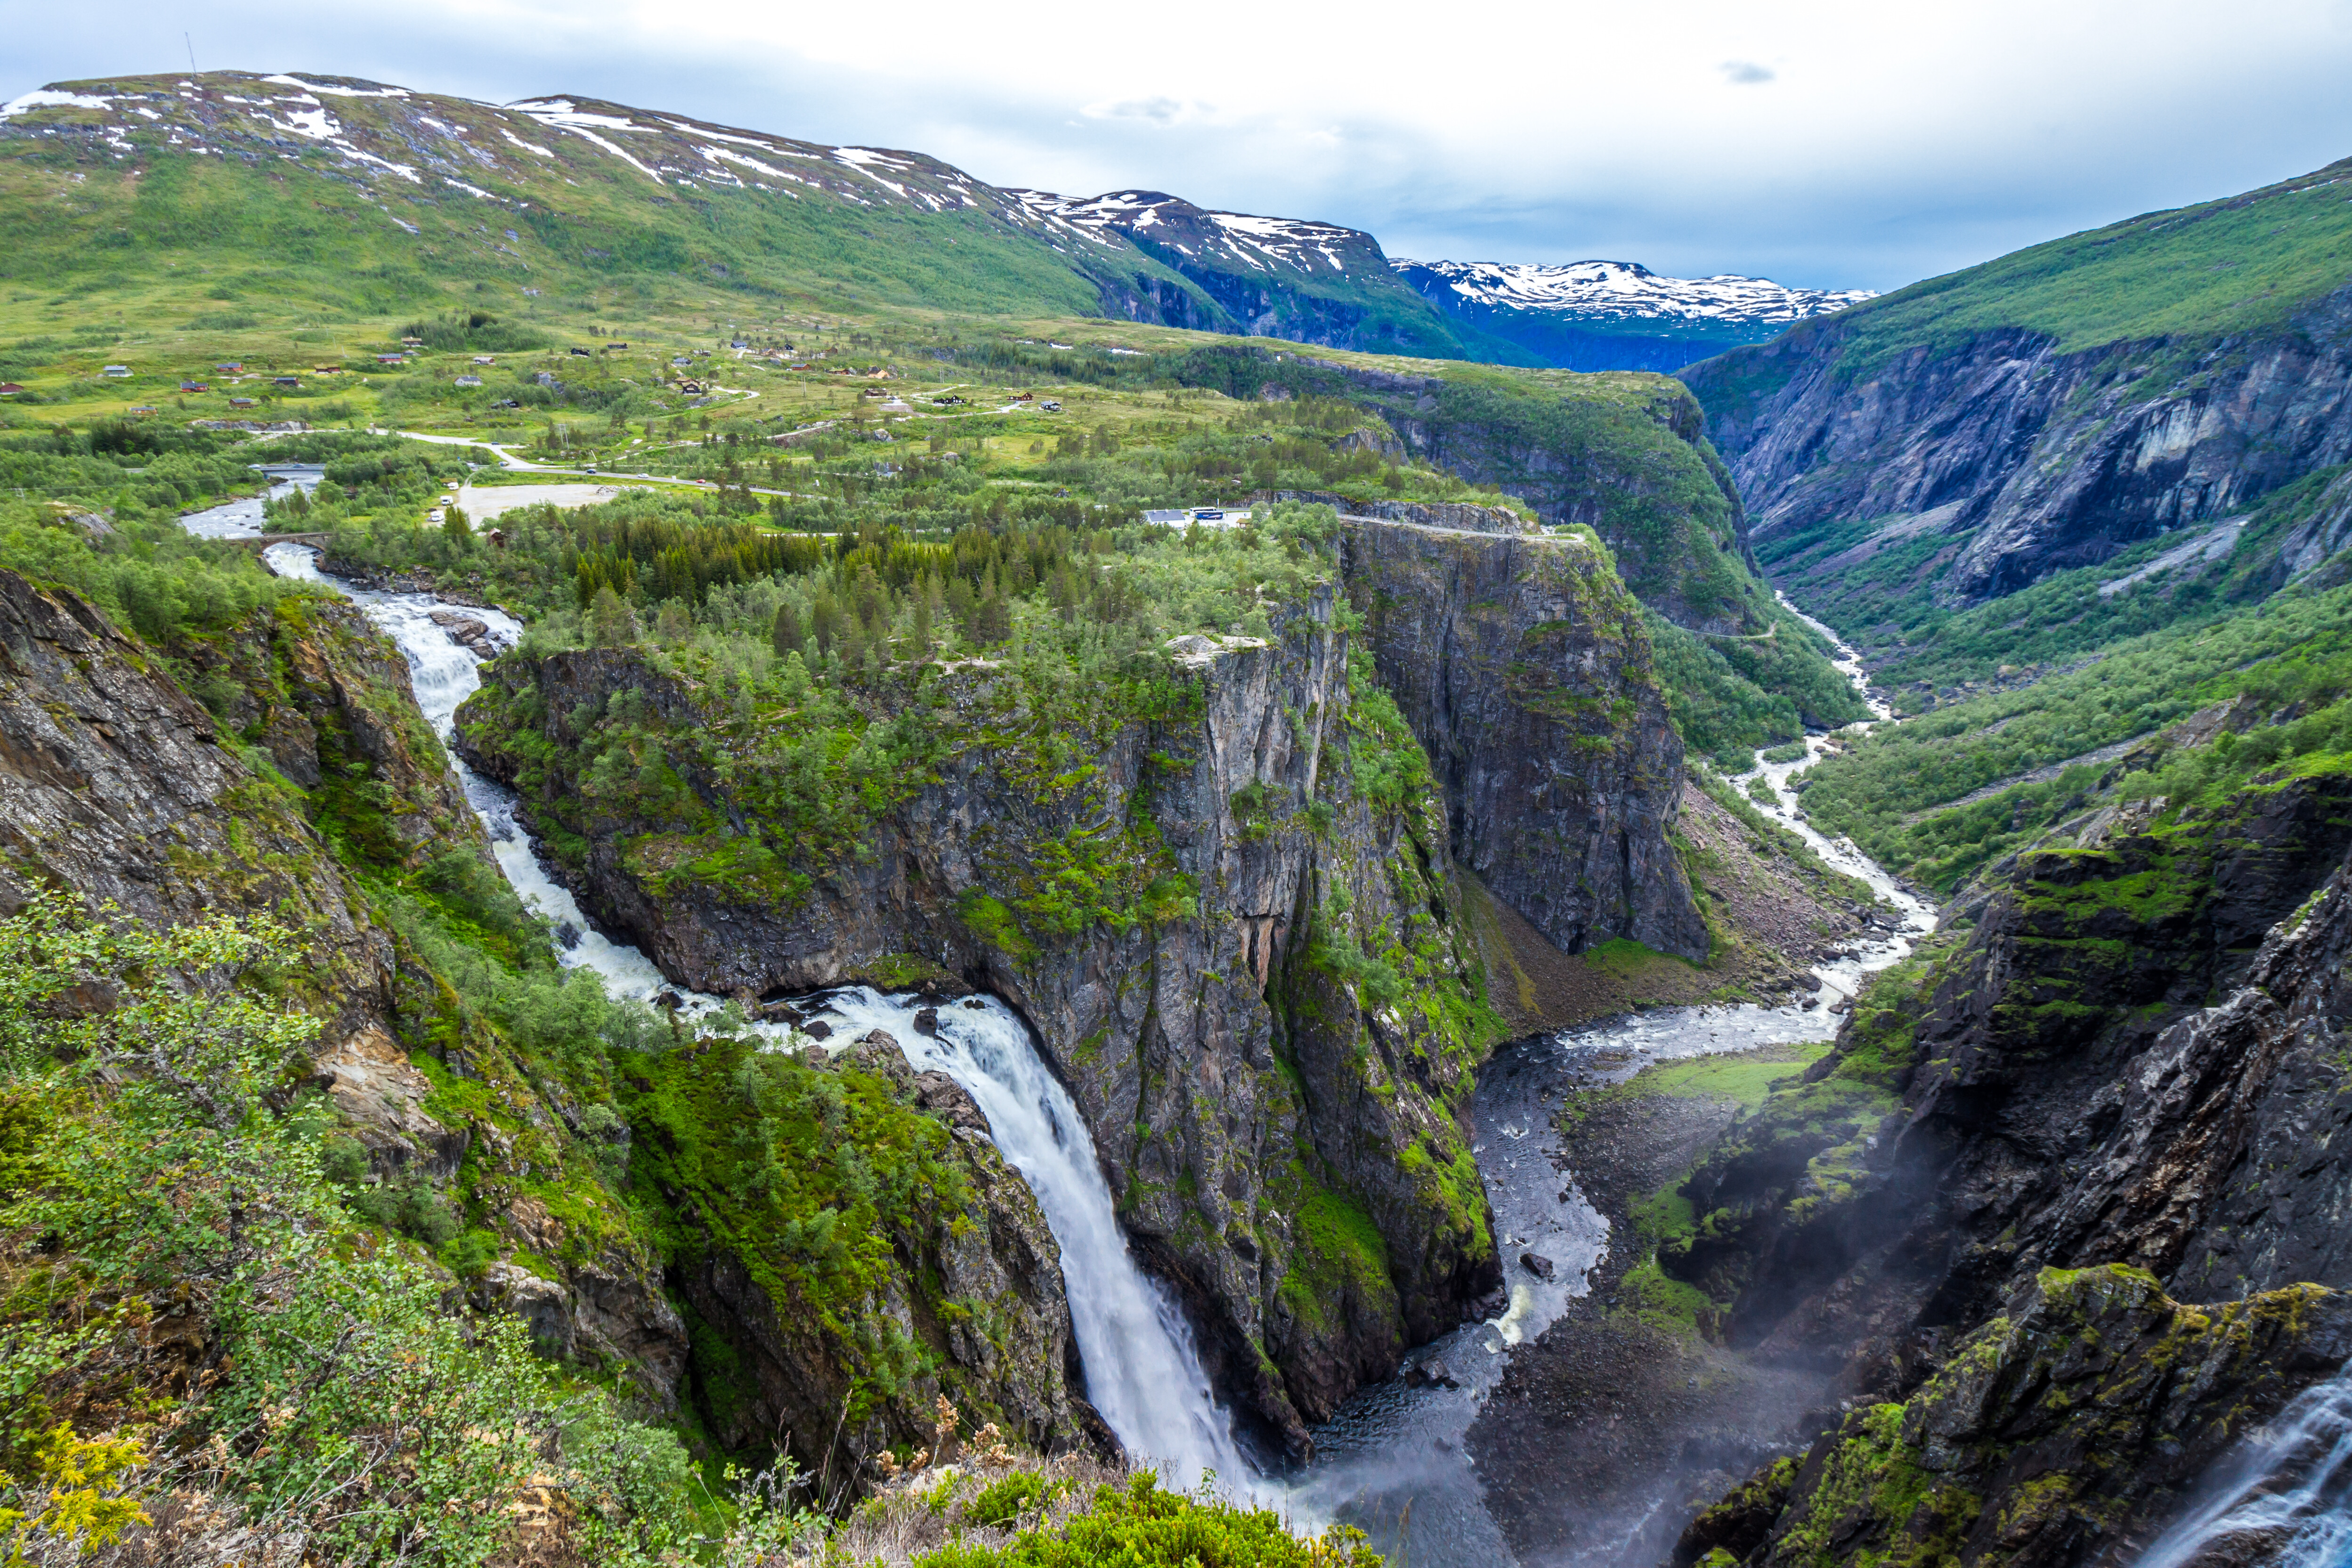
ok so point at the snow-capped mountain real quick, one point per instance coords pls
(1614, 315)
(583, 186)
(492, 152)
(1280, 277)
(1623, 292)
(1240, 240)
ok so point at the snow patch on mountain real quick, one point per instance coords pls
(331, 89)
(1262, 243)
(46, 99)
(1623, 291)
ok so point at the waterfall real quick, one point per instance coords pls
(2285, 1498)
(1143, 1372)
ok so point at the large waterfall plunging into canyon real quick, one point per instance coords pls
(1397, 1453)
(1143, 1372)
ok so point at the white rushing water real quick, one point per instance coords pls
(2284, 1499)
(1143, 1372)
(1841, 976)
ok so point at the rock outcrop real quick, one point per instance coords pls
(831, 1364)
(2065, 1431)
(1525, 673)
(1458, 517)
(118, 786)
(1270, 1035)
(2133, 1062)
(1978, 1117)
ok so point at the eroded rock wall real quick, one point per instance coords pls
(1521, 664)
(2133, 1064)
(2027, 460)
(2065, 1431)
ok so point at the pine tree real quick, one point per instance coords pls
(610, 620)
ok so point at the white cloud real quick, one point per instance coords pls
(1746, 73)
(1160, 111)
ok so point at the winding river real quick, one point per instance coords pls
(1394, 1459)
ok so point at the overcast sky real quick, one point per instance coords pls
(1833, 145)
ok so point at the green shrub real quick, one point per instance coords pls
(1142, 1526)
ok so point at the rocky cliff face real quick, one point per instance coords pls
(1947, 1145)
(1268, 1062)
(315, 762)
(2024, 459)
(120, 786)
(2133, 1058)
(1525, 674)
(1271, 1046)
(2065, 1431)
(792, 1355)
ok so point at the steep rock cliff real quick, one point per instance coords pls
(836, 1350)
(120, 786)
(117, 785)
(1946, 1144)
(2065, 1431)
(1267, 1016)
(2135, 1060)
(2047, 409)
(1523, 669)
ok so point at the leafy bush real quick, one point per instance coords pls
(351, 1410)
(1141, 1525)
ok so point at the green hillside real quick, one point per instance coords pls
(602, 261)
(318, 190)
(2244, 264)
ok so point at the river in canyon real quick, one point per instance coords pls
(1395, 1460)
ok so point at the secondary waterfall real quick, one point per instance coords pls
(2284, 1499)
(1143, 1372)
